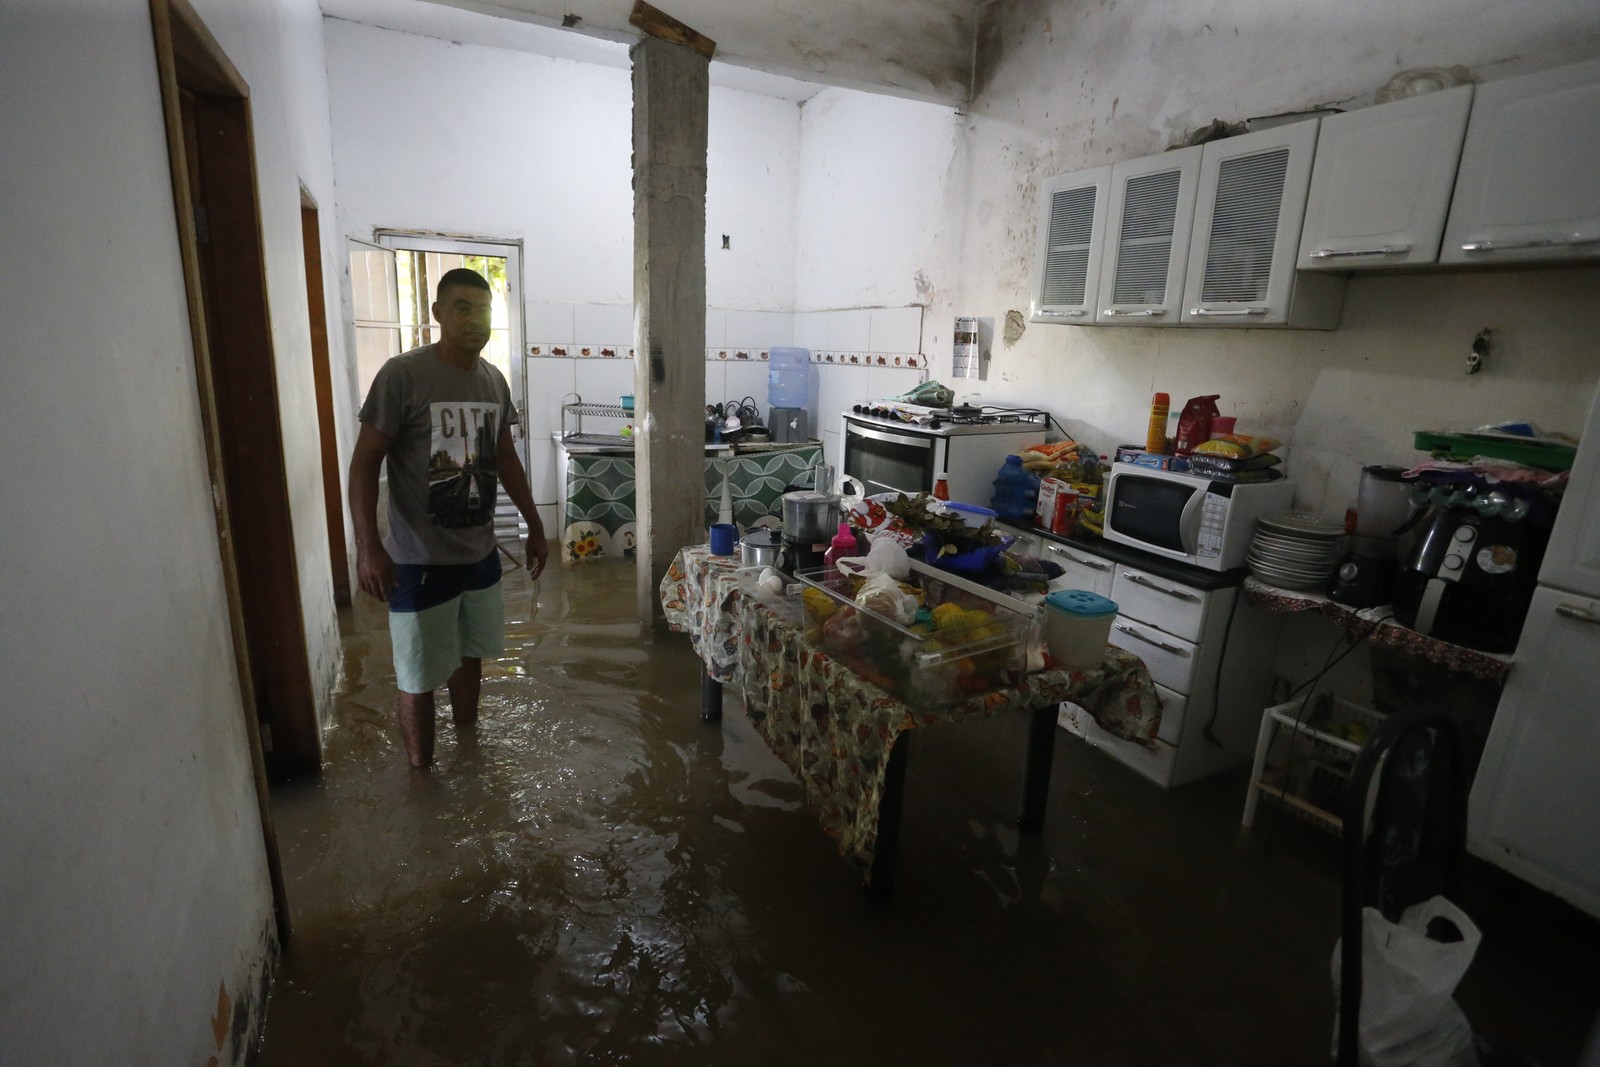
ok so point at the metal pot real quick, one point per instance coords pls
(761, 548)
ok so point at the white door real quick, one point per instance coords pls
(1536, 800)
(1066, 269)
(1148, 223)
(1527, 190)
(1248, 211)
(1572, 560)
(1380, 187)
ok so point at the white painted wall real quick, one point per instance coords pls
(512, 145)
(878, 200)
(1062, 88)
(135, 883)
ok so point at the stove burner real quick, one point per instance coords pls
(965, 411)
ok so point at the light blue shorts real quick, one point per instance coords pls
(439, 615)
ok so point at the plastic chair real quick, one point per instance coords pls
(1410, 785)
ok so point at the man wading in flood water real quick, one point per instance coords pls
(441, 417)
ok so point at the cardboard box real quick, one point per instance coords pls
(1061, 515)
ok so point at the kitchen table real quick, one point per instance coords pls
(597, 517)
(848, 740)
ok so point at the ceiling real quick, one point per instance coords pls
(919, 49)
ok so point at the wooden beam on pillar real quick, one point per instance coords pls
(658, 23)
(671, 97)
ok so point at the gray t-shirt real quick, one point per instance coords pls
(443, 478)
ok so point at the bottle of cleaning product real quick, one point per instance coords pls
(1016, 492)
(843, 544)
(1156, 438)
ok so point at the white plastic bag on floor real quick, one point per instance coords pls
(1409, 1017)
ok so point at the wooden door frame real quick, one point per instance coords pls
(322, 375)
(206, 101)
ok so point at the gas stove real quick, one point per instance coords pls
(960, 419)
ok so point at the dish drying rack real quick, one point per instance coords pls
(573, 412)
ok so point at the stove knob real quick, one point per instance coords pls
(859, 409)
(935, 422)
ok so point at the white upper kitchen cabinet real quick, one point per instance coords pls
(1528, 189)
(1066, 271)
(1249, 208)
(1149, 218)
(1380, 187)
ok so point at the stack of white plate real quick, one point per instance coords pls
(1296, 550)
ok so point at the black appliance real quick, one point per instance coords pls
(1470, 577)
(1366, 577)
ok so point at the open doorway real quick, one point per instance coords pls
(392, 287)
(206, 106)
(322, 379)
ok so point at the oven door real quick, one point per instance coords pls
(884, 460)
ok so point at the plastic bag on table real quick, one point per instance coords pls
(1409, 1017)
(882, 595)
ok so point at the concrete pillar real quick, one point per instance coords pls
(671, 96)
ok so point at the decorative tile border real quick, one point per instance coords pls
(902, 360)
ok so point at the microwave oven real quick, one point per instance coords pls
(1188, 517)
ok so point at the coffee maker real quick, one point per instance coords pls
(1384, 513)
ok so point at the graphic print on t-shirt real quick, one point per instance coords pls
(461, 464)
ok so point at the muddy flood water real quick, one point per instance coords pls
(596, 876)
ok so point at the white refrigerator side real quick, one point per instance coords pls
(1536, 798)
(1572, 561)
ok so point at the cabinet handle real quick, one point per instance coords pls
(1147, 313)
(1092, 564)
(1162, 645)
(1205, 312)
(1577, 611)
(1061, 314)
(1181, 594)
(910, 440)
(1386, 250)
(1131, 632)
(1562, 241)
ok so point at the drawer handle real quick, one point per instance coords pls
(1219, 313)
(1061, 314)
(1162, 645)
(1181, 594)
(1092, 564)
(1562, 241)
(1578, 612)
(1147, 313)
(1386, 250)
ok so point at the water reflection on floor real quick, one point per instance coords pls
(598, 877)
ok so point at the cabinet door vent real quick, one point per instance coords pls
(1244, 227)
(1066, 267)
(1144, 247)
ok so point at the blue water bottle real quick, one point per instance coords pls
(1015, 493)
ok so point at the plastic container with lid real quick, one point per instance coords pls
(966, 640)
(1077, 625)
(788, 377)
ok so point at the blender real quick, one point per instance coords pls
(1384, 512)
(810, 519)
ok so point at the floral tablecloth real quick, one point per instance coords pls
(599, 518)
(835, 730)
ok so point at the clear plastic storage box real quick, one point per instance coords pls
(968, 641)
